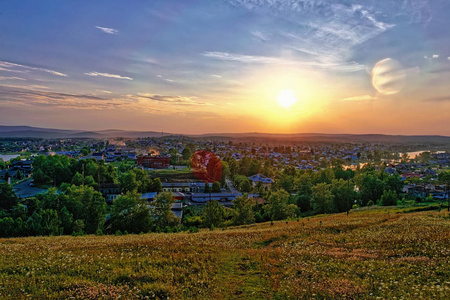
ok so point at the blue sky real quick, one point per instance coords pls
(218, 66)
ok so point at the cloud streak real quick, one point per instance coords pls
(8, 66)
(172, 99)
(326, 31)
(108, 30)
(11, 78)
(95, 74)
(254, 59)
(359, 98)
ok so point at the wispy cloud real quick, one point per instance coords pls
(39, 87)
(108, 30)
(108, 75)
(260, 36)
(165, 79)
(172, 99)
(11, 78)
(326, 31)
(104, 91)
(345, 67)
(360, 98)
(32, 96)
(8, 65)
(216, 76)
(14, 71)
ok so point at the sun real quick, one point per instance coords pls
(286, 98)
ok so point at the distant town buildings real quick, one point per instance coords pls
(155, 162)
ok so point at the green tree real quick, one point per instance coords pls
(131, 213)
(278, 207)
(207, 189)
(162, 210)
(389, 198)
(128, 182)
(286, 182)
(215, 187)
(303, 186)
(186, 153)
(444, 178)
(49, 222)
(393, 183)
(156, 185)
(88, 205)
(213, 214)
(66, 219)
(322, 198)
(245, 186)
(143, 180)
(343, 195)
(370, 187)
(2, 164)
(77, 179)
(8, 198)
(255, 167)
(243, 210)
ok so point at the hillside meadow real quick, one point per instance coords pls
(371, 254)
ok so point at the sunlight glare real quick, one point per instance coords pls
(286, 98)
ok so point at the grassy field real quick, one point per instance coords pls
(384, 254)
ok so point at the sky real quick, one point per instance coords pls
(223, 66)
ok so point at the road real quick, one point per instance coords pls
(24, 191)
(230, 186)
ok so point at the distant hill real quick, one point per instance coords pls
(332, 138)
(36, 132)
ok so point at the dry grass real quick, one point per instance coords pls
(369, 254)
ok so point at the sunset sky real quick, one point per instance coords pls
(278, 66)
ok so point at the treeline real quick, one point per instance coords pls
(82, 210)
(62, 171)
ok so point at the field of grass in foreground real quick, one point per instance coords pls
(368, 255)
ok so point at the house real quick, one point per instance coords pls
(221, 197)
(177, 209)
(97, 156)
(149, 196)
(155, 162)
(390, 170)
(266, 181)
(184, 187)
(204, 197)
(110, 191)
(176, 187)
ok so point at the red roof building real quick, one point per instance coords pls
(155, 162)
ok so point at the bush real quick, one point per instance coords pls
(370, 203)
(193, 229)
(118, 232)
(388, 198)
